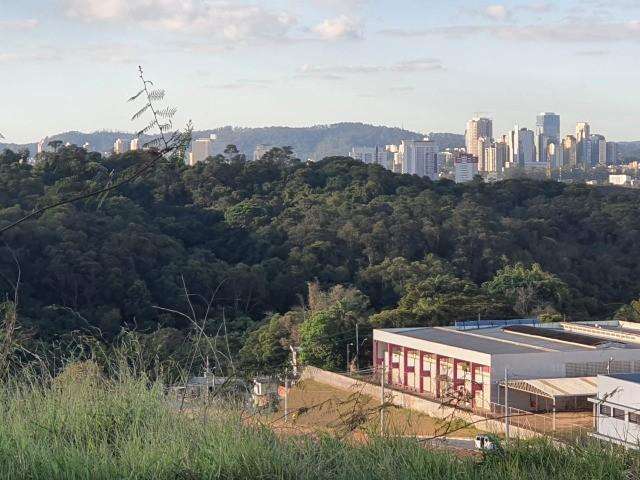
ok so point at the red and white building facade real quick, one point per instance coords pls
(432, 369)
(447, 362)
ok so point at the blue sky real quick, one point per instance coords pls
(426, 65)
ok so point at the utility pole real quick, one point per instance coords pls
(382, 399)
(506, 405)
(348, 364)
(357, 349)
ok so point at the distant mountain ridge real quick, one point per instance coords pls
(314, 142)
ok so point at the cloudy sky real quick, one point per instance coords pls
(426, 65)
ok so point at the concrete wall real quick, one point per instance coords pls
(411, 402)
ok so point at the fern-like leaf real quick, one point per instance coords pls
(167, 112)
(136, 96)
(156, 95)
(140, 112)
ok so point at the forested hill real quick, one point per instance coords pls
(308, 142)
(386, 249)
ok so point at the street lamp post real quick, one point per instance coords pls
(348, 364)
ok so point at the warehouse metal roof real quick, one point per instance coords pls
(465, 340)
(556, 387)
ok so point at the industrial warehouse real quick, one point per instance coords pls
(544, 367)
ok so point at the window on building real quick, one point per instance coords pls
(634, 418)
(618, 414)
(605, 410)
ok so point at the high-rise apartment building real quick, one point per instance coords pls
(201, 149)
(548, 124)
(477, 128)
(612, 153)
(526, 146)
(87, 147)
(135, 144)
(395, 158)
(554, 157)
(598, 150)
(497, 156)
(522, 147)
(583, 131)
(420, 157)
(119, 147)
(375, 155)
(42, 145)
(547, 131)
(483, 144)
(465, 167)
(569, 152)
(364, 154)
(584, 146)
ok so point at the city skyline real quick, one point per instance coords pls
(309, 62)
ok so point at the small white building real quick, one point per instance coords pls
(261, 151)
(616, 409)
(620, 180)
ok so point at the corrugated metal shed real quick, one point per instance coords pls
(557, 387)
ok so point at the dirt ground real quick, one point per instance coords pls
(316, 407)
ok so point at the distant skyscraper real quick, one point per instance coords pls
(395, 158)
(364, 154)
(497, 156)
(376, 155)
(583, 131)
(119, 147)
(522, 147)
(420, 157)
(476, 129)
(201, 149)
(87, 147)
(526, 146)
(612, 153)
(513, 141)
(483, 144)
(135, 144)
(569, 152)
(42, 145)
(598, 150)
(548, 124)
(547, 131)
(554, 155)
(584, 147)
(465, 167)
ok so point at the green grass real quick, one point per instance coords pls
(84, 427)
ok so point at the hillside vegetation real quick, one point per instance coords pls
(288, 253)
(85, 425)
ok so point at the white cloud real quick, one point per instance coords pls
(243, 84)
(232, 20)
(337, 72)
(342, 27)
(28, 24)
(497, 12)
(561, 32)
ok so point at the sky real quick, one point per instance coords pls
(425, 65)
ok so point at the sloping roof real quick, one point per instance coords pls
(557, 387)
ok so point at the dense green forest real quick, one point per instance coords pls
(281, 252)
